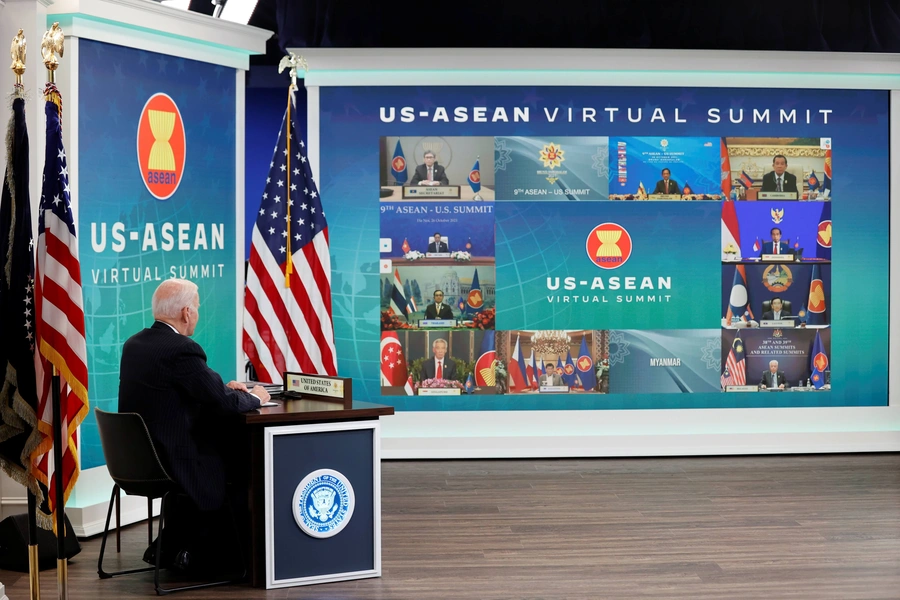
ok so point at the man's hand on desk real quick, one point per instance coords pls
(261, 393)
(258, 390)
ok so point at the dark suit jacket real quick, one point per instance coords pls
(449, 367)
(165, 379)
(768, 248)
(780, 378)
(661, 187)
(421, 174)
(768, 182)
(770, 316)
(432, 247)
(431, 312)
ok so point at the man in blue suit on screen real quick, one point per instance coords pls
(776, 246)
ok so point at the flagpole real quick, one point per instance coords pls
(18, 50)
(52, 44)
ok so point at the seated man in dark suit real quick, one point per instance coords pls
(438, 310)
(666, 185)
(438, 245)
(778, 179)
(776, 246)
(550, 376)
(430, 173)
(165, 379)
(773, 378)
(778, 312)
(439, 365)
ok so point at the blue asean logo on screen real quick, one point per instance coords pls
(161, 146)
(323, 503)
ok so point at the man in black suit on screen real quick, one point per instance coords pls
(773, 378)
(439, 365)
(666, 185)
(165, 379)
(438, 310)
(778, 179)
(438, 245)
(430, 173)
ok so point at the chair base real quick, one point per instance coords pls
(160, 590)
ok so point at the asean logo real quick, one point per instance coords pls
(161, 146)
(816, 297)
(569, 369)
(821, 361)
(823, 237)
(474, 299)
(485, 369)
(584, 363)
(777, 278)
(475, 176)
(323, 503)
(608, 245)
(399, 163)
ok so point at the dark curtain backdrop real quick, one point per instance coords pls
(824, 25)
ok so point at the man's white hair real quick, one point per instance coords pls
(171, 296)
(773, 362)
(435, 343)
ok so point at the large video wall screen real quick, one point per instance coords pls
(609, 248)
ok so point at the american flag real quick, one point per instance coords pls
(287, 301)
(735, 365)
(59, 312)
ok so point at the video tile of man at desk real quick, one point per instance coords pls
(778, 311)
(437, 309)
(550, 376)
(437, 245)
(164, 378)
(430, 173)
(775, 246)
(773, 378)
(667, 185)
(779, 179)
(440, 365)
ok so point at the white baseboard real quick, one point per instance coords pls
(637, 445)
(88, 521)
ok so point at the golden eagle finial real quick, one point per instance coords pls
(17, 53)
(51, 46)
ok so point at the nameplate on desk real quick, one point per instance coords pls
(437, 322)
(554, 389)
(323, 386)
(413, 192)
(778, 257)
(777, 195)
(787, 323)
(437, 255)
(741, 388)
(665, 196)
(439, 391)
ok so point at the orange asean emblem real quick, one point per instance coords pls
(823, 236)
(821, 361)
(475, 176)
(584, 363)
(569, 369)
(161, 146)
(399, 163)
(816, 296)
(475, 299)
(608, 245)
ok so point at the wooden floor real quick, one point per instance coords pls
(791, 527)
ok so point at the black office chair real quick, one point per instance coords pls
(767, 306)
(135, 468)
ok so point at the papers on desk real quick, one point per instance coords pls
(270, 403)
